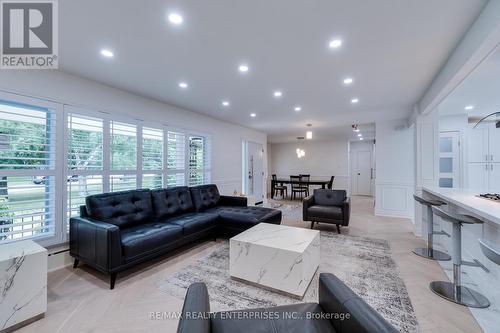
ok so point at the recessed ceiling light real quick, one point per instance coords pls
(309, 135)
(335, 43)
(297, 108)
(243, 68)
(253, 115)
(361, 139)
(278, 93)
(359, 135)
(469, 107)
(348, 80)
(107, 53)
(356, 130)
(183, 85)
(354, 100)
(225, 103)
(175, 18)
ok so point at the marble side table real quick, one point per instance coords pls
(23, 284)
(276, 257)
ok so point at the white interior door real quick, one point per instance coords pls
(255, 167)
(364, 172)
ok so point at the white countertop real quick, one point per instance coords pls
(468, 200)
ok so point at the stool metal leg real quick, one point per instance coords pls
(454, 291)
(429, 251)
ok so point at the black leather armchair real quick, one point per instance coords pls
(327, 206)
(339, 310)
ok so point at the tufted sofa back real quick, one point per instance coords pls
(205, 196)
(172, 201)
(123, 209)
(329, 197)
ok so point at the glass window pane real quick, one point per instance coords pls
(446, 165)
(123, 146)
(27, 137)
(122, 183)
(80, 187)
(152, 181)
(152, 149)
(445, 144)
(446, 182)
(176, 179)
(85, 143)
(26, 207)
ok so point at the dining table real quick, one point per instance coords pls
(322, 183)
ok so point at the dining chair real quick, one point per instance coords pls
(330, 183)
(305, 179)
(297, 187)
(282, 188)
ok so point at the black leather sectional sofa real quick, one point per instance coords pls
(120, 229)
(339, 310)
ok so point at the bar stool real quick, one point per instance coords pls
(454, 291)
(429, 251)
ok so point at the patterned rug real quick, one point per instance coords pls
(364, 264)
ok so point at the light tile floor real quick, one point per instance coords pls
(80, 301)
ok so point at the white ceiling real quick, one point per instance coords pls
(391, 48)
(480, 89)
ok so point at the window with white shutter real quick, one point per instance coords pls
(27, 171)
(152, 157)
(85, 160)
(199, 160)
(176, 158)
(123, 146)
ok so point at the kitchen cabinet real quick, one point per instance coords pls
(479, 176)
(478, 144)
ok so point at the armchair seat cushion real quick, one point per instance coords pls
(194, 222)
(147, 237)
(325, 212)
(272, 320)
(246, 217)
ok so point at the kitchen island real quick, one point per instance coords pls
(466, 201)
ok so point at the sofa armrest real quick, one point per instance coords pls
(226, 200)
(195, 312)
(306, 203)
(346, 210)
(337, 298)
(96, 243)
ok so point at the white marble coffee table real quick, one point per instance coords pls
(275, 256)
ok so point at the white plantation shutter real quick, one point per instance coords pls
(152, 157)
(85, 141)
(199, 160)
(176, 158)
(27, 171)
(122, 182)
(123, 146)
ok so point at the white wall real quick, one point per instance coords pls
(323, 159)
(68, 89)
(395, 169)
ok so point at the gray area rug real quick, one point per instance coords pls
(364, 264)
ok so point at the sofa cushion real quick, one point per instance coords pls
(273, 320)
(171, 202)
(147, 237)
(194, 222)
(246, 217)
(123, 209)
(205, 196)
(328, 212)
(329, 197)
